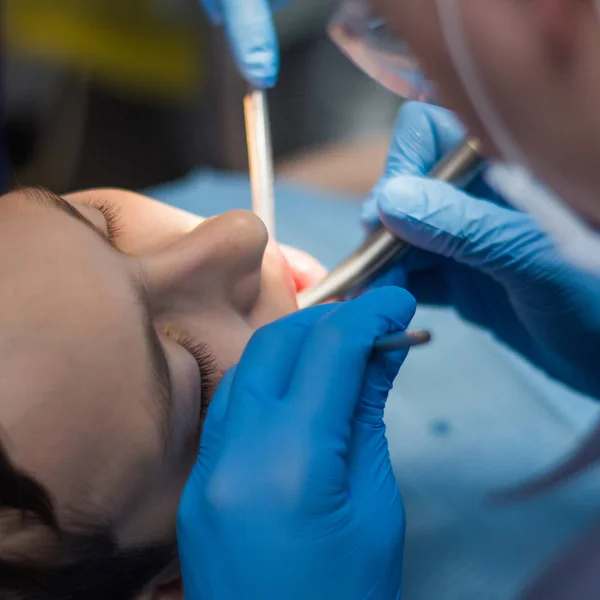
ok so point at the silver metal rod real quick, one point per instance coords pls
(382, 247)
(402, 340)
(260, 156)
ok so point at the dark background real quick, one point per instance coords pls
(66, 130)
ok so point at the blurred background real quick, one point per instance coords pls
(132, 93)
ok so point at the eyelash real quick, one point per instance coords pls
(112, 215)
(207, 364)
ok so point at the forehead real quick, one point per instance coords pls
(75, 370)
(58, 267)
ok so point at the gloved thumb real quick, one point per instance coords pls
(441, 219)
(383, 366)
(379, 379)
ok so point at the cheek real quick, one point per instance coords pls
(227, 337)
(185, 396)
(225, 332)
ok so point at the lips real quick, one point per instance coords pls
(306, 271)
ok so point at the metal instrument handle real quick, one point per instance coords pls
(382, 246)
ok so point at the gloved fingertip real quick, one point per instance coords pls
(398, 198)
(418, 211)
(384, 366)
(369, 215)
(422, 134)
(253, 38)
(409, 200)
(390, 296)
(260, 67)
(262, 82)
(389, 364)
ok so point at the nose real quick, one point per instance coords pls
(219, 262)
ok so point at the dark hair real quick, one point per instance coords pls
(85, 564)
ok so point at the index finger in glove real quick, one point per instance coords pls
(436, 217)
(422, 135)
(251, 32)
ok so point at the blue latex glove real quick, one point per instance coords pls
(492, 263)
(293, 494)
(252, 36)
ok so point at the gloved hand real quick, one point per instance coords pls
(293, 494)
(492, 263)
(252, 36)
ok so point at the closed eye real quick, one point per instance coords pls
(210, 373)
(112, 215)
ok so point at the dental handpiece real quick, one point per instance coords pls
(382, 247)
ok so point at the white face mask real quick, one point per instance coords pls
(513, 179)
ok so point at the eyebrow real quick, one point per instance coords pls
(159, 364)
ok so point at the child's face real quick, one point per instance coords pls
(115, 330)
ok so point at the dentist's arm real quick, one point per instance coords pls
(293, 494)
(252, 36)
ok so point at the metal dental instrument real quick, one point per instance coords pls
(260, 156)
(382, 247)
(402, 340)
